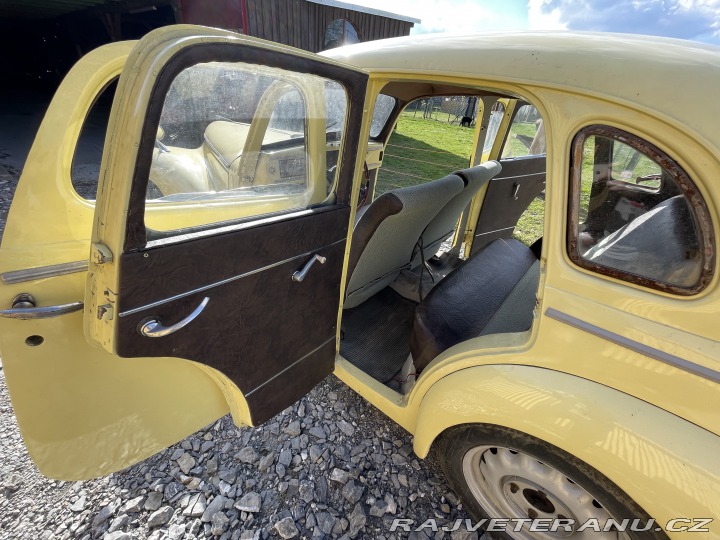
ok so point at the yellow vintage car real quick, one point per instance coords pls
(235, 253)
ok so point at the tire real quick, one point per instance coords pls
(499, 472)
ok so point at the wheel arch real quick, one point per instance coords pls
(666, 464)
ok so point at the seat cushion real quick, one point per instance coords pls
(492, 292)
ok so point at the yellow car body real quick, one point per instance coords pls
(623, 377)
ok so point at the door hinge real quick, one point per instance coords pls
(101, 254)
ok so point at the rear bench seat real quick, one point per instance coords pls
(493, 292)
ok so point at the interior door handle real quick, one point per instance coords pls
(300, 274)
(153, 327)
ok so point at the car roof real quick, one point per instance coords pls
(675, 78)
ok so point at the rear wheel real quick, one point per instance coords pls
(503, 473)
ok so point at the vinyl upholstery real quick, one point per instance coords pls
(443, 224)
(492, 292)
(385, 236)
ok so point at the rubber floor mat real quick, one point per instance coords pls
(376, 334)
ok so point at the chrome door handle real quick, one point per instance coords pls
(41, 312)
(300, 274)
(153, 327)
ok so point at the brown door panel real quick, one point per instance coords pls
(164, 271)
(272, 336)
(507, 197)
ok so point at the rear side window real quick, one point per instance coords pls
(527, 134)
(636, 215)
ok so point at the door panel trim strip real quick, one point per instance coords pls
(224, 281)
(296, 362)
(656, 354)
(43, 272)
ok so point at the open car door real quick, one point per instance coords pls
(216, 256)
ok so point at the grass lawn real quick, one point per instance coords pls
(422, 150)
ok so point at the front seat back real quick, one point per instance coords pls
(385, 236)
(443, 224)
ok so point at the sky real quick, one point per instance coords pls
(697, 20)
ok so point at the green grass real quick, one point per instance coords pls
(422, 150)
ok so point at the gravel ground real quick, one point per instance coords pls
(332, 466)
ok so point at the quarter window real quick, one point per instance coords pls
(636, 215)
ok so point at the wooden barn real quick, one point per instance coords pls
(313, 25)
(47, 37)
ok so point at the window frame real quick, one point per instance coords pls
(137, 234)
(703, 222)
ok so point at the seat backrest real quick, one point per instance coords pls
(385, 236)
(443, 224)
(493, 292)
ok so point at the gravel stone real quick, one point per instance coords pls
(352, 492)
(286, 528)
(186, 463)
(215, 506)
(160, 517)
(153, 501)
(357, 520)
(133, 506)
(247, 455)
(346, 428)
(117, 535)
(219, 523)
(195, 506)
(250, 502)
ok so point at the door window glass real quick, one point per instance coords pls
(632, 216)
(527, 134)
(263, 139)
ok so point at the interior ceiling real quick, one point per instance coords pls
(44, 9)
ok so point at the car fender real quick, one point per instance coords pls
(667, 465)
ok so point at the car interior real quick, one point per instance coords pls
(410, 293)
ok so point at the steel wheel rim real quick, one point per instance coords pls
(512, 484)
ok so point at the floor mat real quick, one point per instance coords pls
(376, 334)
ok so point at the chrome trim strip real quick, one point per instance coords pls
(42, 272)
(222, 282)
(296, 362)
(46, 312)
(661, 356)
(478, 235)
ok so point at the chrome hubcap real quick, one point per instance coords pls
(511, 484)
